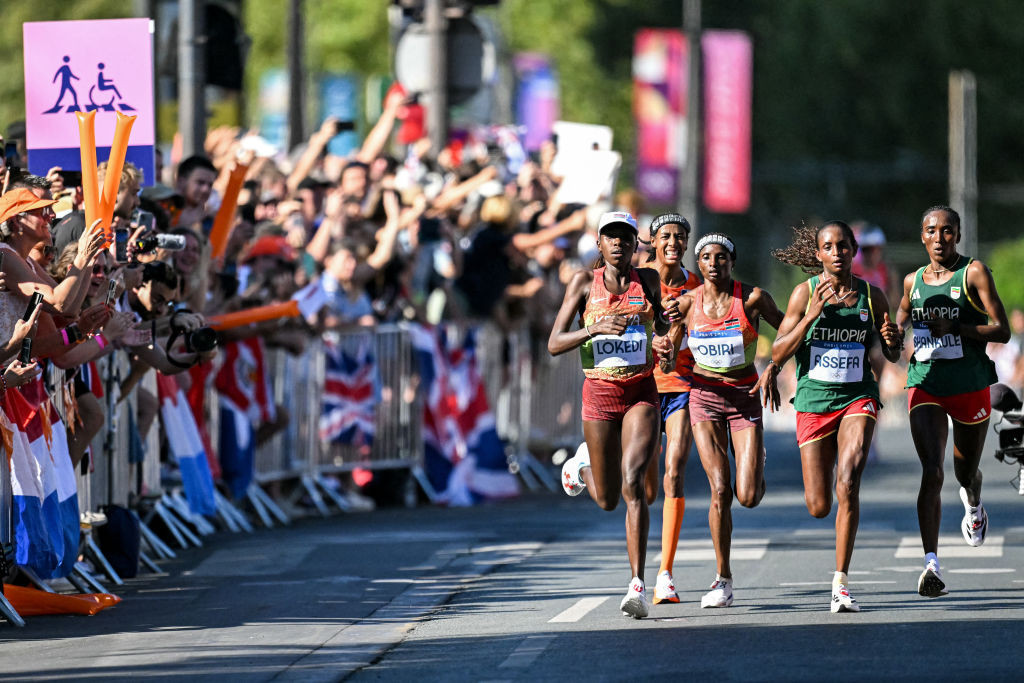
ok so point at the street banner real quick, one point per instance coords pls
(536, 98)
(104, 66)
(728, 95)
(659, 107)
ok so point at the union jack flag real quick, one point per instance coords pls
(350, 396)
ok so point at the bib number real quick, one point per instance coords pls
(621, 350)
(927, 347)
(719, 349)
(839, 362)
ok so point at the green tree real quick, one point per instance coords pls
(1005, 263)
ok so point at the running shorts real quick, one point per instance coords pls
(714, 401)
(970, 408)
(815, 426)
(610, 401)
(672, 402)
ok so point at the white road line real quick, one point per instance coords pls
(793, 584)
(982, 570)
(577, 611)
(703, 550)
(527, 652)
(951, 546)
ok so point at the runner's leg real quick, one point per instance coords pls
(748, 445)
(651, 474)
(929, 429)
(712, 441)
(604, 476)
(677, 452)
(639, 431)
(968, 442)
(854, 440)
(817, 461)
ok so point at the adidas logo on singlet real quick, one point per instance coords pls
(916, 294)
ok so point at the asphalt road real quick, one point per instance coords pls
(529, 590)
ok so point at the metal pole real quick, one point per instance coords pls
(296, 76)
(192, 75)
(437, 95)
(963, 156)
(688, 195)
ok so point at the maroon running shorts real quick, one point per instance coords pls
(610, 401)
(716, 401)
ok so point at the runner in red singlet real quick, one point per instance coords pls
(722, 316)
(619, 314)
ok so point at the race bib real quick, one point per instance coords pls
(927, 347)
(621, 350)
(720, 349)
(840, 362)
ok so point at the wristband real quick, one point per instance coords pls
(64, 336)
(589, 334)
(100, 341)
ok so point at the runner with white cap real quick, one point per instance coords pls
(619, 316)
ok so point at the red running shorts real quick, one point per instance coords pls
(815, 426)
(970, 408)
(610, 401)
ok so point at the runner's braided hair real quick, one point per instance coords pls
(942, 207)
(802, 250)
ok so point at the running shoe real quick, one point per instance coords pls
(975, 523)
(635, 603)
(842, 601)
(572, 482)
(930, 585)
(720, 594)
(665, 589)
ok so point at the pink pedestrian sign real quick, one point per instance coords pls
(104, 66)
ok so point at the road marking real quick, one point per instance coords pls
(793, 584)
(704, 550)
(951, 546)
(982, 570)
(527, 652)
(577, 611)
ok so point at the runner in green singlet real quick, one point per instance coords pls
(834, 323)
(954, 311)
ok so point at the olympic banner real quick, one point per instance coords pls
(104, 66)
(659, 107)
(728, 94)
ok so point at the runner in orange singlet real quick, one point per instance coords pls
(669, 235)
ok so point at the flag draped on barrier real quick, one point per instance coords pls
(244, 402)
(46, 520)
(186, 446)
(464, 457)
(350, 395)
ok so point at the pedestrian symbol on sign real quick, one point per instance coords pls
(103, 84)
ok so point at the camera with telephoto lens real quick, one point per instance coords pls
(160, 241)
(1010, 429)
(200, 340)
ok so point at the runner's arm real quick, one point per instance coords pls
(979, 278)
(794, 325)
(563, 339)
(903, 312)
(888, 332)
(764, 305)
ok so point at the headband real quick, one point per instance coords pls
(715, 238)
(666, 218)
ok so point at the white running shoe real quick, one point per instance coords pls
(975, 523)
(572, 482)
(720, 594)
(635, 603)
(842, 601)
(930, 584)
(665, 589)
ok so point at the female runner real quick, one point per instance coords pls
(722, 317)
(619, 315)
(669, 235)
(831, 326)
(954, 310)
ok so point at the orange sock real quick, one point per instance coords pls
(671, 522)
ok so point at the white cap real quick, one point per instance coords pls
(617, 218)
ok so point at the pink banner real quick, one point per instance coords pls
(104, 66)
(728, 93)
